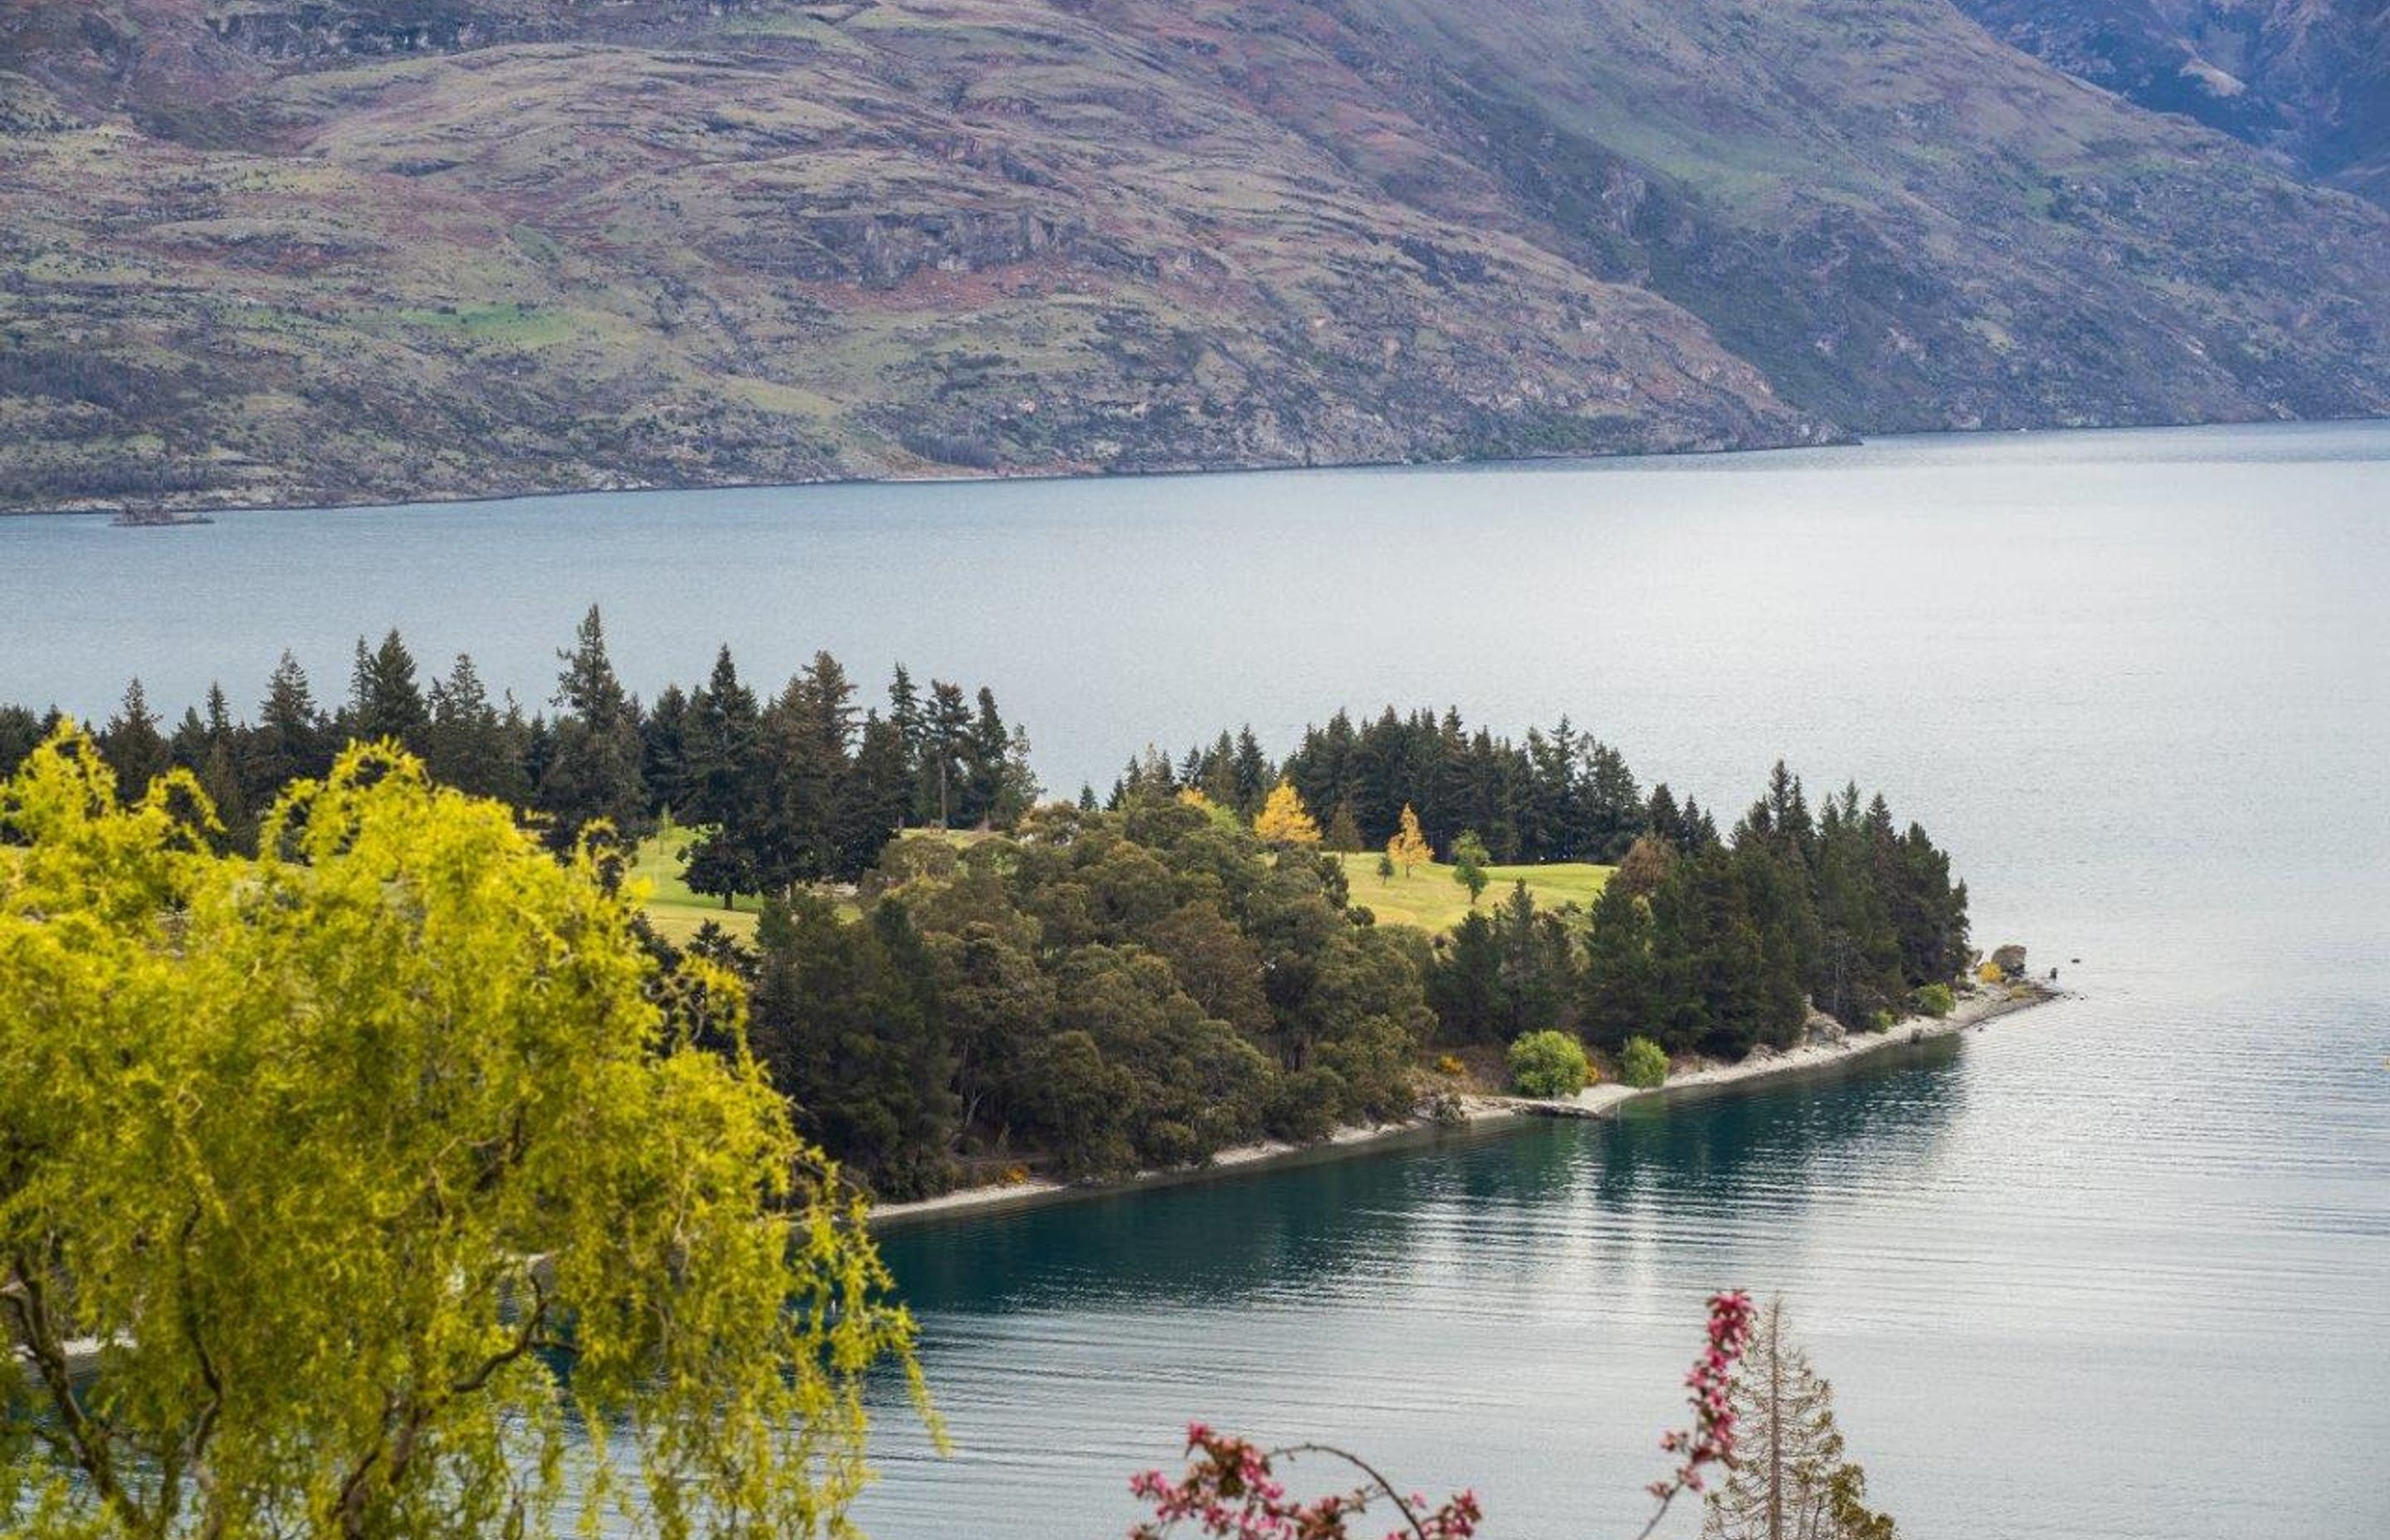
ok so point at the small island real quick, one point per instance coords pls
(157, 516)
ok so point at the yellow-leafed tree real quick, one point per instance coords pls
(366, 1170)
(1283, 819)
(1408, 848)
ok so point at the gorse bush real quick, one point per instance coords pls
(1643, 1064)
(1548, 1065)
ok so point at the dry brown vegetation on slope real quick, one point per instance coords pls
(252, 249)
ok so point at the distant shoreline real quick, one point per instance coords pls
(1594, 1102)
(93, 506)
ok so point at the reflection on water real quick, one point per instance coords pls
(2110, 1270)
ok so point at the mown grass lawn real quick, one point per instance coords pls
(677, 912)
(672, 910)
(1430, 899)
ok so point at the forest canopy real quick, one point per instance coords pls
(1094, 988)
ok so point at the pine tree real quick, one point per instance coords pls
(986, 753)
(847, 1019)
(1283, 819)
(384, 700)
(290, 741)
(1789, 1480)
(132, 747)
(21, 733)
(596, 762)
(944, 781)
(722, 752)
(1619, 995)
(1018, 789)
(663, 752)
(467, 744)
(1408, 848)
(1252, 772)
(1464, 983)
(873, 799)
(1535, 977)
(1343, 831)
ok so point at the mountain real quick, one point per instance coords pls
(2310, 79)
(306, 251)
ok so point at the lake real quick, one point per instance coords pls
(2117, 1268)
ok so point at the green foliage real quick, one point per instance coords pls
(1469, 859)
(1548, 1065)
(1934, 1000)
(345, 1154)
(1621, 986)
(1643, 1064)
(1119, 991)
(849, 1024)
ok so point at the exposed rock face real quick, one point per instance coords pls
(2010, 960)
(1822, 1029)
(2310, 79)
(268, 249)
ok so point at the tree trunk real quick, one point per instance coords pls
(1776, 1424)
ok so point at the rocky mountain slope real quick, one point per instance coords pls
(312, 250)
(2310, 79)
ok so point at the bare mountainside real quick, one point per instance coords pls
(2310, 79)
(253, 251)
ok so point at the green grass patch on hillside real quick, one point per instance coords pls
(677, 912)
(1430, 899)
(673, 908)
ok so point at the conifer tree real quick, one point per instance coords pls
(1343, 831)
(1535, 977)
(1283, 819)
(1790, 1479)
(290, 741)
(596, 762)
(1620, 993)
(945, 777)
(987, 754)
(1252, 773)
(133, 746)
(384, 700)
(1464, 983)
(467, 744)
(21, 733)
(1408, 848)
(722, 752)
(663, 752)
(873, 798)
(847, 1019)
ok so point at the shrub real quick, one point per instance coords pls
(1643, 1064)
(1548, 1065)
(1880, 1020)
(1935, 1000)
(1448, 1065)
(1304, 1106)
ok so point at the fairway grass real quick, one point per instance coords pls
(1431, 900)
(672, 910)
(676, 913)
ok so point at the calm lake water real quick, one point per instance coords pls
(2119, 1268)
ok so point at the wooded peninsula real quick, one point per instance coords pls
(956, 982)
